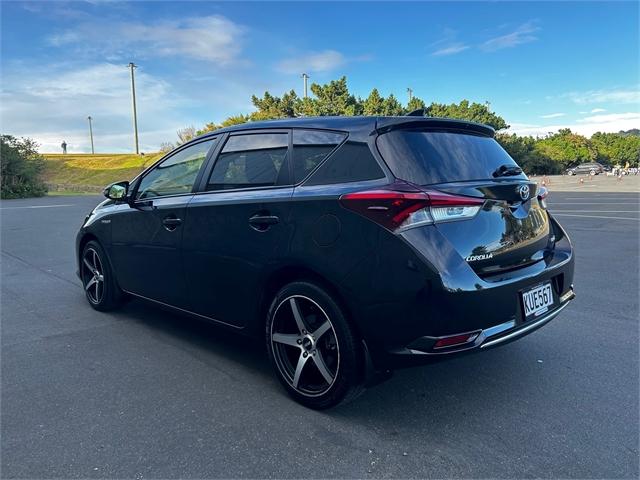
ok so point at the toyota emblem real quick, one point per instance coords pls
(523, 190)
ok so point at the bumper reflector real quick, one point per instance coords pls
(456, 340)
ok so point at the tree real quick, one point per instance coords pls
(616, 148)
(270, 107)
(166, 147)
(392, 107)
(374, 104)
(566, 148)
(414, 104)
(185, 134)
(229, 121)
(334, 98)
(523, 151)
(475, 112)
(21, 168)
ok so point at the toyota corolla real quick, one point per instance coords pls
(353, 246)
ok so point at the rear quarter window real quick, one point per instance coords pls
(428, 157)
(352, 162)
(310, 148)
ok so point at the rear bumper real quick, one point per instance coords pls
(485, 338)
(422, 350)
(435, 294)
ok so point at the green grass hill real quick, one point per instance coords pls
(87, 173)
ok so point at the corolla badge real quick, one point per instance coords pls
(475, 258)
(523, 190)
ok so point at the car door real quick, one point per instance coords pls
(146, 236)
(237, 227)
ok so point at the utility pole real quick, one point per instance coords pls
(305, 77)
(91, 134)
(410, 92)
(133, 100)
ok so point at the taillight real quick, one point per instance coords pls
(398, 210)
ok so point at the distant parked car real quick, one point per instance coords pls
(593, 168)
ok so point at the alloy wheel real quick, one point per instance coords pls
(93, 275)
(305, 346)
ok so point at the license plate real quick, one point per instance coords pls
(537, 300)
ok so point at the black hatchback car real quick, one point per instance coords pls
(593, 168)
(353, 246)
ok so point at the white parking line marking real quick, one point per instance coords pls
(593, 203)
(595, 216)
(603, 198)
(595, 211)
(38, 206)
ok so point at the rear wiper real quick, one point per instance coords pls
(507, 171)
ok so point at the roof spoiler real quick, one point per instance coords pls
(386, 124)
(418, 112)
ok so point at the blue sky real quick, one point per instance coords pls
(542, 65)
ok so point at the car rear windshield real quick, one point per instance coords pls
(428, 157)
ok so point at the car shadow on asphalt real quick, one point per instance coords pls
(415, 398)
(199, 334)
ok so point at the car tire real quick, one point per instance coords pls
(313, 349)
(592, 173)
(100, 286)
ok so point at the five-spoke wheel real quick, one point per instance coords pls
(92, 275)
(99, 284)
(304, 345)
(312, 346)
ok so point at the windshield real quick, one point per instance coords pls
(428, 157)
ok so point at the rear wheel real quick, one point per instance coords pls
(312, 347)
(99, 283)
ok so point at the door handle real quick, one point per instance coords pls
(263, 222)
(171, 223)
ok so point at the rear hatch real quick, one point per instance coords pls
(511, 228)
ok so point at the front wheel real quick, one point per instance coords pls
(99, 283)
(313, 349)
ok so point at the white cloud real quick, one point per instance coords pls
(612, 118)
(450, 50)
(585, 126)
(51, 104)
(619, 95)
(553, 115)
(523, 34)
(597, 110)
(448, 44)
(211, 38)
(324, 61)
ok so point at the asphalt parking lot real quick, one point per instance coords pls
(146, 393)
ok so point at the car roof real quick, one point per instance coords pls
(360, 123)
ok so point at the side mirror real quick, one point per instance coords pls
(116, 191)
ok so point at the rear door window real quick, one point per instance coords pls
(251, 160)
(310, 148)
(428, 157)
